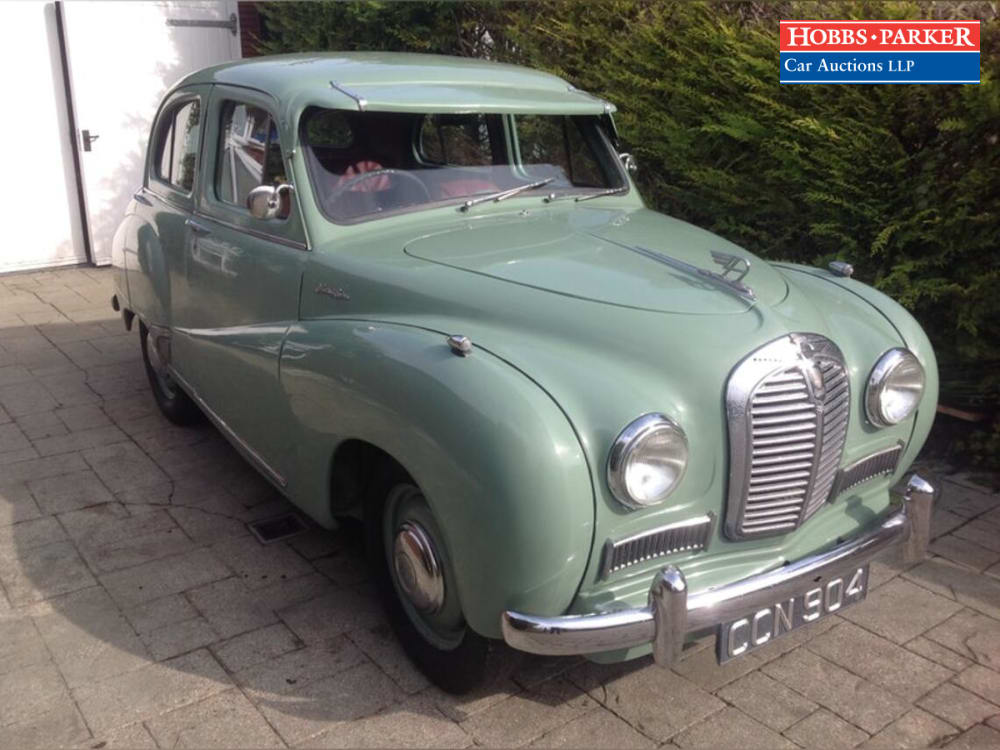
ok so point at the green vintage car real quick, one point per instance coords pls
(424, 292)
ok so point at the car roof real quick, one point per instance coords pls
(402, 82)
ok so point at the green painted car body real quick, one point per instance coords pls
(306, 337)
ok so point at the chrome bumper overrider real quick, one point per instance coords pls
(672, 612)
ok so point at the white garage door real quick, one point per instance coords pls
(122, 58)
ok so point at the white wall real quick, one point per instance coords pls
(40, 218)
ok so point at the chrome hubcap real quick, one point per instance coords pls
(418, 570)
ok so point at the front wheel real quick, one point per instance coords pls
(417, 584)
(175, 404)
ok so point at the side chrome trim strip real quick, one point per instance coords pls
(253, 456)
(358, 99)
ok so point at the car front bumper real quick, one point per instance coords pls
(673, 613)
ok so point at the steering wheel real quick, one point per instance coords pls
(335, 194)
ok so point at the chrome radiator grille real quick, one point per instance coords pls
(788, 405)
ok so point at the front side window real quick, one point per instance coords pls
(177, 150)
(249, 154)
(368, 164)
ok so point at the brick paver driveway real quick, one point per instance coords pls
(136, 609)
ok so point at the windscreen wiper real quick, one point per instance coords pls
(601, 193)
(505, 194)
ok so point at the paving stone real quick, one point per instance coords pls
(255, 647)
(982, 533)
(415, 723)
(790, 641)
(159, 613)
(340, 611)
(26, 398)
(131, 737)
(309, 710)
(964, 552)
(204, 527)
(344, 569)
(532, 670)
(824, 730)
(767, 700)
(598, 728)
(461, 707)
(260, 564)
(14, 374)
(231, 607)
(938, 653)
(20, 645)
(655, 701)
(730, 728)
(42, 572)
(702, 669)
(88, 637)
(28, 534)
(976, 737)
(972, 635)
(853, 698)
(68, 492)
(957, 706)
(224, 720)
(293, 670)
(914, 729)
(179, 638)
(57, 723)
(16, 504)
(877, 659)
(150, 691)
(982, 681)
(40, 468)
(123, 467)
(41, 425)
(76, 441)
(68, 388)
(380, 645)
(27, 692)
(528, 715)
(12, 439)
(879, 613)
(23, 454)
(91, 519)
(130, 541)
(283, 594)
(169, 575)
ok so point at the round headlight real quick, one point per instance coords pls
(647, 461)
(894, 388)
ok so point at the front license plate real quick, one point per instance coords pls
(823, 597)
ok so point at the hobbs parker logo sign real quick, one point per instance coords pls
(879, 51)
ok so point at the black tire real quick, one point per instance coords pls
(475, 661)
(174, 403)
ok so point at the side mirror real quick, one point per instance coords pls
(629, 162)
(264, 202)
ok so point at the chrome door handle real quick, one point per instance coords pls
(198, 228)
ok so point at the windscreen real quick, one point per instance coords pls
(367, 164)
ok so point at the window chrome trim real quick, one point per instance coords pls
(252, 232)
(242, 445)
(358, 99)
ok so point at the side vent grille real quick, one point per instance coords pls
(878, 464)
(691, 535)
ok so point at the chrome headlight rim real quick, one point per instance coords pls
(886, 365)
(627, 441)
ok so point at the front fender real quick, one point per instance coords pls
(912, 335)
(498, 461)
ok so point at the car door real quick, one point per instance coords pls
(243, 275)
(154, 258)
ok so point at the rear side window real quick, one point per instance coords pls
(250, 154)
(177, 152)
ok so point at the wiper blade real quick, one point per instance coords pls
(505, 194)
(601, 194)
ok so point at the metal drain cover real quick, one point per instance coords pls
(275, 529)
